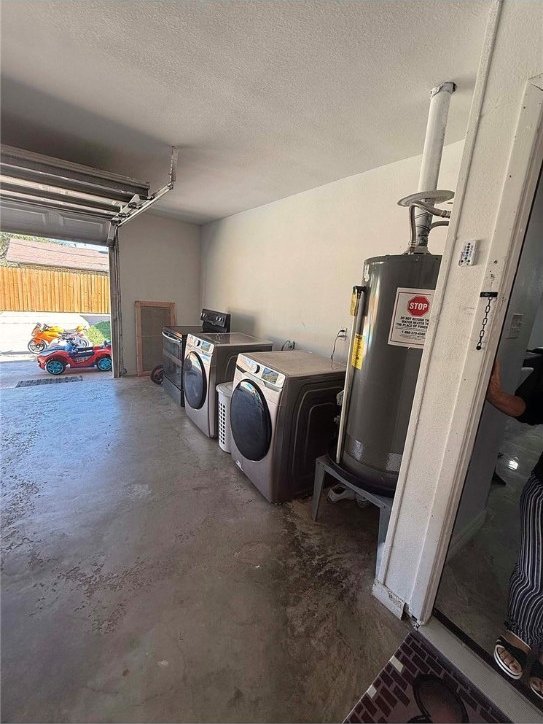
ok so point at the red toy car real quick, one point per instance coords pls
(56, 359)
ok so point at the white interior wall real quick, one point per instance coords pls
(159, 260)
(285, 270)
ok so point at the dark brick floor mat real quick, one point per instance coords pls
(49, 381)
(419, 684)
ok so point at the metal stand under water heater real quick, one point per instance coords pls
(391, 312)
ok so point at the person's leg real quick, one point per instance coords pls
(524, 621)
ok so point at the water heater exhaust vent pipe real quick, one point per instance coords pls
(422, 204)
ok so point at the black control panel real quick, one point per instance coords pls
(213, 321)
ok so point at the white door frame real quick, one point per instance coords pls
(421, 527)
(115, 307)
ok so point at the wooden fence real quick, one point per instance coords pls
(40, 290)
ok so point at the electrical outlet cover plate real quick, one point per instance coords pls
(468, 255)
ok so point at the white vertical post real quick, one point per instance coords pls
(440, 98)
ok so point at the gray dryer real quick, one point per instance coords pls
(282, 416)
(210, 358)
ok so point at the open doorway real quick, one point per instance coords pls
(55, 316)
(476, 583)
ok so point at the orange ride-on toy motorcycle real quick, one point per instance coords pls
(44, 334)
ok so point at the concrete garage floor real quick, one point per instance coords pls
(144, 578)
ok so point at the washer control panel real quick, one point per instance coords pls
(201, 344)
(270, 377)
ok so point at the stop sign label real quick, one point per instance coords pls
(418, 306)
(410, 317)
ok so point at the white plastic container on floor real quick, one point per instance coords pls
(225, 431)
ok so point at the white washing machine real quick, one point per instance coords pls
(282, 415)
(209, 360)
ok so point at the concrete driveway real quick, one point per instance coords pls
(15, 370)
(16, 362)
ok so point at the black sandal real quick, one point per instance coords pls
(536, 672)
(518, 654)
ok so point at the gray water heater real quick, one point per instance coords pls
(386, 350)
(392, 309)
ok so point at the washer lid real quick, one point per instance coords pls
(194, 381)
(295, 363)
(250, 421)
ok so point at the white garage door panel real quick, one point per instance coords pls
(18, 218)
(47, 196)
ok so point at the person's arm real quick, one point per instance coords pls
(511, 405)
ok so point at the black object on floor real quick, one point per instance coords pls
(497, 479)
(419, 684)
(49, 381)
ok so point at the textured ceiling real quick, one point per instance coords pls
(264, 98)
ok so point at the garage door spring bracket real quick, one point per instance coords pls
(136, 206)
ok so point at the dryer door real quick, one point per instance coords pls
(250, 421)
(194, 381)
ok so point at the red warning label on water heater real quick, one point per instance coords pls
(410, 317)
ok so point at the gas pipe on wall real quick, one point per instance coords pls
(391, 310)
